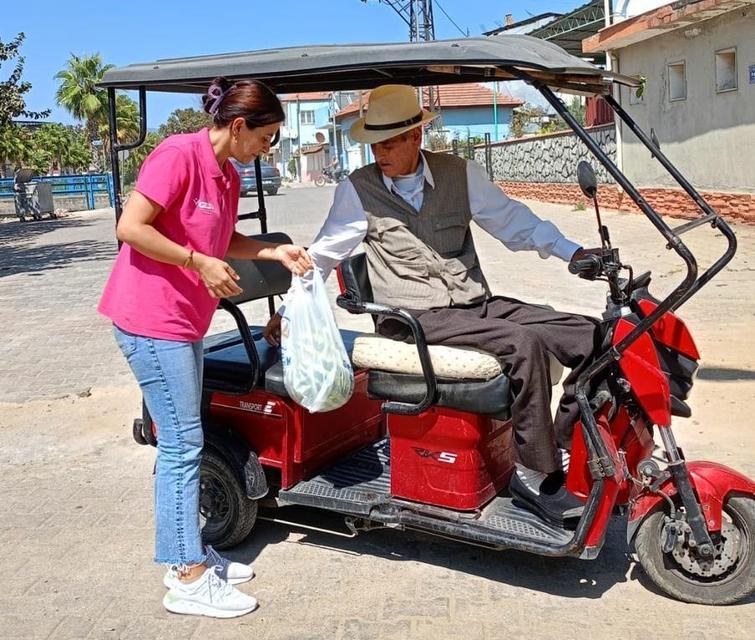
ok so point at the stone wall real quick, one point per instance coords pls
(549, 158)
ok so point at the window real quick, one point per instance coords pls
(677, 81)
(307, 117)
(726, 70)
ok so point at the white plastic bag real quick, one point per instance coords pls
(316, 368)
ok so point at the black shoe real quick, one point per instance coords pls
(557, 508)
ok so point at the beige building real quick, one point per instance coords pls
(698, 58)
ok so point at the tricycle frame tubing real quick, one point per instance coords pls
(717, 222)
(115, 147)
(688, 287)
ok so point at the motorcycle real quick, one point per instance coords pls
(330, 176)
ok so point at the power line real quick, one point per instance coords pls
(450, 19)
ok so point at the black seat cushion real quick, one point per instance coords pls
(490, 397)
(226, 363)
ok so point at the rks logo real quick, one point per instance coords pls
(440, 456)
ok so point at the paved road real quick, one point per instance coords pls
(77, 525)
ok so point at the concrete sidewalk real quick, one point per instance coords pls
(77, 528)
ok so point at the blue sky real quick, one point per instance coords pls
(140, 31)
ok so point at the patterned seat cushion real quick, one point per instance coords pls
(454, 363)
(372, 351)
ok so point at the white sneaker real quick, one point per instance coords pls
(210, 596)
(231, 572)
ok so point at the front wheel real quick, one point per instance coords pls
(726, 578)
(228, 515)
(320, 181)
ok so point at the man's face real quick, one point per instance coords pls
(399, 155)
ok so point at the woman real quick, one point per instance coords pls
(177, 227)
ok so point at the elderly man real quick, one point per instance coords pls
(413, 209)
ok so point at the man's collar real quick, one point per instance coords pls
(424, 168)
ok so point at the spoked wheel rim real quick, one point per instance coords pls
(216, 505)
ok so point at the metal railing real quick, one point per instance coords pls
(85, 185)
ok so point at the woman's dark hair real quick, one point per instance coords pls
(249, 99)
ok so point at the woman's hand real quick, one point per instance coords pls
(272, 332)
(294, 258)
(218, 276)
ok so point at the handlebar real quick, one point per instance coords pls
(588, 267)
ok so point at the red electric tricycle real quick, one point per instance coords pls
(426, 444)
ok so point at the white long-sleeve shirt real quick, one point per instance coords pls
(510, 221)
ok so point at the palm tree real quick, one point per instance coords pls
(78, 93)
(126, 122)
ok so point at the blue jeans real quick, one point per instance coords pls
(170, 376)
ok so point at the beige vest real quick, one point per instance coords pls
(426, 259)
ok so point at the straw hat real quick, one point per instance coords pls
(393, 109)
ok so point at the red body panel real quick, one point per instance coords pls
(633, 438)
(671, 331)
(449, 458)
(712, 482)
(611, 486)
(639, 363)
(288, 437)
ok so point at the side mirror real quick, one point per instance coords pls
(587, 180)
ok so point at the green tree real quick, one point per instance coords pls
(137, 156)
(523, 117)
(185, 121)
(577, 108)
(12, 90)
(15, 145)
(437, 140)
(54, 140)
(78, 93)
(126, 122)
(66, 149)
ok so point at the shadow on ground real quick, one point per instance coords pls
(724, 374)
(23, 250)
(565, 577)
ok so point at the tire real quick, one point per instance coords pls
(229, 516)
(736, 583)
(272, 192)
(320, 181)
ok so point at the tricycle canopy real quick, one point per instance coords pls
(365, 66)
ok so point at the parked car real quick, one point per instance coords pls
(271, 178)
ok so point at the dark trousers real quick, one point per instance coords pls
(521, 336)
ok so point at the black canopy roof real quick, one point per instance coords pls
(364, 66)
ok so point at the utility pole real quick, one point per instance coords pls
(418, 15)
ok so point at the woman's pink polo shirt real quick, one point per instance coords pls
(200, 208)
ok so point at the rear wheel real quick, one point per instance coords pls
(724, 579)
(320, 181)
(272, 192)
(228, 515)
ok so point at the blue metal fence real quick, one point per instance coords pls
(86, 185)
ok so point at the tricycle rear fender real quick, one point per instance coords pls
(712, 483)
(241, 457)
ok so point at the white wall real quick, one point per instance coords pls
(709, 136)
(623, 9)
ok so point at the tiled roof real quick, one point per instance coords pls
(309, 95)
(453, 96)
